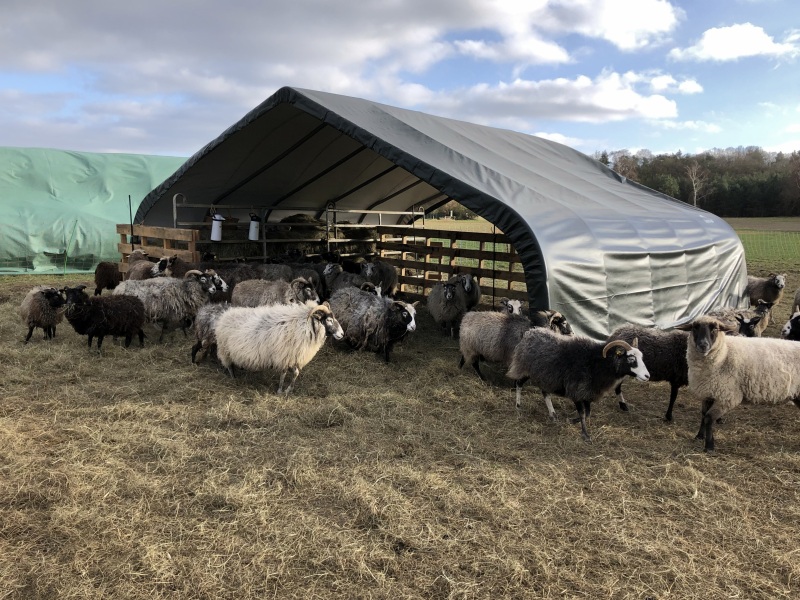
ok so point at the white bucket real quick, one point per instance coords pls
(216, 227)
(255, 225)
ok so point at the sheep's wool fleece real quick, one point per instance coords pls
(277, 337)
(759, 370)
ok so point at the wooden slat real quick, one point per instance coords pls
(163, 233)
(158, 252)
(444, 234)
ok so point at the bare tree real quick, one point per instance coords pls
(699, 178)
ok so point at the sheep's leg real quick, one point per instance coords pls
(707, 402)
(295, 373)
(128, 339)
(141, 338)
(709, 433)
(620, 398)
(476, 366)
(673, 394)
(550, 409)
(91, 337)
(195, 348)
(518, 384)
(99, 343)
(30, 333)
(581, 408)
(231, 370)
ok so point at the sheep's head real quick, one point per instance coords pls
(53, 297)
(558, 322)
(406, 313)
(322, 313)
(370, 287)
(368, 270)
(779, 281)
(449, 291)
(331, 269)
(512, 307)
(206, 281)
(76, 295)
(304, 291)
(219, 283)
(747, 325)
(706, 332)
(791, 331)
(763, 307)
(466, 281)
(628, 359)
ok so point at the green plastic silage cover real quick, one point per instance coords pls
(60, 208)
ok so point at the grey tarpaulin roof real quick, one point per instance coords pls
(599, 248)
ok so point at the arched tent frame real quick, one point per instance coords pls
(599, 248)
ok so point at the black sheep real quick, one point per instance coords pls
(106, 277)
(100, 316)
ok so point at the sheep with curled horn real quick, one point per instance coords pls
(574, 367)
(258, 292)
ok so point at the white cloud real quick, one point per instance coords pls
(609, 97)
(668, 84)
(572, 142)
(627, 24)
(734, 42)
(793, 128)
(701, 126)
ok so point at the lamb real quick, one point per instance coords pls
(577, 368)
(768, 289)
(791, 331)
(469, 289)
(104, 315)
(106, 276)
(42, 307)
(145, 269)
(169, 301)
(382, 274)
(725, 371)
(336, 278)
(372, 322)
(492, 336)
(204, 328)
(664, 353)
(447, 306)
(284, 337)
(258, 292)
(551, 319)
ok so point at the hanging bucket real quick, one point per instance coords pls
(216, 227)
(255, 226)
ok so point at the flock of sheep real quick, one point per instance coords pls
(277, 316)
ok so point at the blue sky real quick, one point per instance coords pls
(168, 76)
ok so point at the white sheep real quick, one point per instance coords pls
(284, 337)
(726, 370)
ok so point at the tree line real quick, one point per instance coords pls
(731, 182)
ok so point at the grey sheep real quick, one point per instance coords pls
(726, 371)
(106, 277)
(492, 336)
(382, 274)
(768, 289)
(258, 292)
(469, 289)
(100, 316)
(204, 329)
(284, 337)
(169, 301)
(43, 307)
(447, 306)
(372, 322)
(664, 353)
(574, 367)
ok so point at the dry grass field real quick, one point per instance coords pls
(138, 475)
